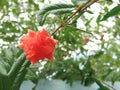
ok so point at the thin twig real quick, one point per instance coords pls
(108, 85)
(77, 10)
(80, 8)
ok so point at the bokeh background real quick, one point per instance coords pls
(88, 48)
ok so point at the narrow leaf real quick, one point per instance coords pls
(54, 9)
(16, 67)
(4, 82)
(20, 75)
(114, 11)
(101, 86)
(78, 2)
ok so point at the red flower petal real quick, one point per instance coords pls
(31, 33)
(44, 33)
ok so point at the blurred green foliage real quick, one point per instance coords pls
(72, 60)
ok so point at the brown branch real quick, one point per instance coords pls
(107, 85)
(77, 10)
(80, 8)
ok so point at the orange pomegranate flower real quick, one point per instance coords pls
(38, 45)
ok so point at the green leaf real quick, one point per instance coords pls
(98, 54)
(98, 19)
(8, 53)
(4, 82)
(17, 72)
(20, 75)
(42, 1)
(88, 81)
(2, 68)
(54, 9)
(90, 12)
(114, 11)
(101, 86)
(3, 3)
(16, 67)
(77, 2)
(31, 73)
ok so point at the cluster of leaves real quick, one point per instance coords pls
(72, 61)
(100, 65)
(13, 68)
(16, 18)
